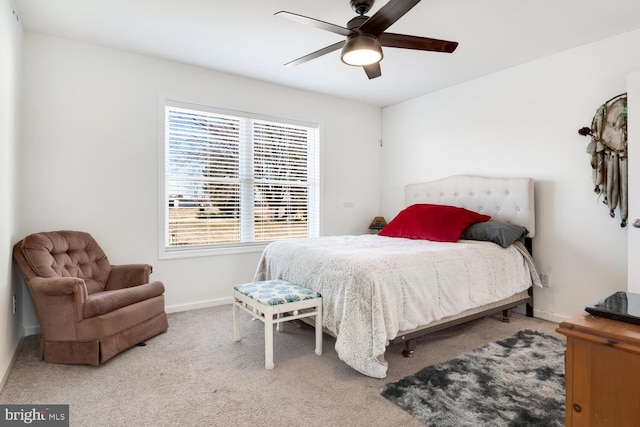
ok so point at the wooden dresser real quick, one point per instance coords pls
(602, 367)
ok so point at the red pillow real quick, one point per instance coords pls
(432, 222)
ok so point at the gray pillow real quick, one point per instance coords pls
(497, 232)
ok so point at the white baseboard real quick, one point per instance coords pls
(30, 330)
(176, 308)
(200, 304)
(552, 317)
(5, 374)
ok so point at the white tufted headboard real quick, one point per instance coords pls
(505, 199)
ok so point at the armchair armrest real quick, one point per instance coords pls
(57, 286)
(128, 275)
(59, 291)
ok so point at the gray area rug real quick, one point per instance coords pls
(518, 381)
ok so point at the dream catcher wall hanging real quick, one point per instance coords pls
(609, 155)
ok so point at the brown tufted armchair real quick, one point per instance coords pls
(88, 309)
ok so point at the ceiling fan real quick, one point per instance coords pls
(365, 35)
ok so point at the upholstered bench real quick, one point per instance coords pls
(275, 302)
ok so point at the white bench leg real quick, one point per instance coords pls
(319, 330)
(236, 322)
(279, 325)
(268, 341)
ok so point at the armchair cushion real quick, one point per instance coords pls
(107, 301)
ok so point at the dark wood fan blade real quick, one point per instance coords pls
(387, 15)
(373, 70)
(415, 42)
(316, 54)
(315, 23)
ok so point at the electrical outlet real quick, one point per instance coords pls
(545, 279)
(14, 304)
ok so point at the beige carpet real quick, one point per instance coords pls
(195, 375)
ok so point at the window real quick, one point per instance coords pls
(234, 179)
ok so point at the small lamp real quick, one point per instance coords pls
(378, 223)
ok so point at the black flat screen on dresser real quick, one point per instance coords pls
(623, 306)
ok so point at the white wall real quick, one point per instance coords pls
(91, 147)
(90, 141)
(523, 121)
(10, 63)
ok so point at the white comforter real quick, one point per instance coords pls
(373, 286)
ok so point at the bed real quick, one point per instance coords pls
(379, 290)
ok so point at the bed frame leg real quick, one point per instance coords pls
(529, 310)
(409, 346)
(530, 304)
(506, 315)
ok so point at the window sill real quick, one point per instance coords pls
(191, 252)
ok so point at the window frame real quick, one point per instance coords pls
(166, 252)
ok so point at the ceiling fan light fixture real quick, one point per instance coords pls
(361, 49)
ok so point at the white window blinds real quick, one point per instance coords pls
(235, 178)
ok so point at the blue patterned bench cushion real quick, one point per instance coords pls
(274, 292)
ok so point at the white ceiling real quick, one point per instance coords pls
(244, 37)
